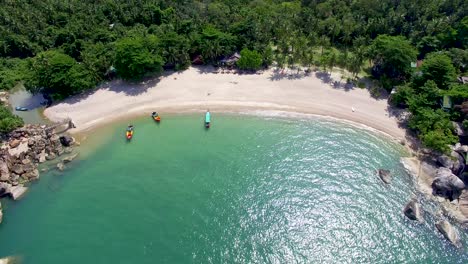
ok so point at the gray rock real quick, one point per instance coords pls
(29, 167)
(17, 192)
(51, 156)
(31, 142)
(26, 161)
(458, 161)
(17, 168)
(445, 161)
(446, 184)
(1, 214)
(42, 156)
(385, 176)
(33, 175)
(60, 166)
(449, 232)
(68, 150)
(4, 171)
(413, 211)
(66, 141)
(69, 158)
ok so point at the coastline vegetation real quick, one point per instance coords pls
(63, 48)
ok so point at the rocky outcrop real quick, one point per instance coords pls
(413, 211)
(24, 149)
(446, 184)
(452, 162)
(449, 232)
(385, 176)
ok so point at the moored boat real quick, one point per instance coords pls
(20, 108)
(129, 133)
(156, 117)
(207, 119)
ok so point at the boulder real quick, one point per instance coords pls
(14, 143)
(42, 156)
(60, 166)
(457, 162)
(26, 161)
(51, 156)
(68, 150)
(66, 141)
(385, 176)
(1, 213)
(17, 192)
(32, 175)
(4, 171)
(413, 211)
(31, 142)
(446, 184)
(445, 161)
(17, 168)
(449, 232)
(69, 158)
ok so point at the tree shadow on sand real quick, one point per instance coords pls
(129, 88)
(285, 74)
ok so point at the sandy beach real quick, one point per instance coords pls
(198, 89)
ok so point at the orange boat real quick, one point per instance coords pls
(129, 133)
(156, 117)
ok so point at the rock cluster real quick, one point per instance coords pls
(21, 153)
(26, 148)
(446, 184)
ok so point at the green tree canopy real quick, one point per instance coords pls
(8, 121)
(439, 68)
(249, 60)
(392, 56)
(57, 74)
(137, 56)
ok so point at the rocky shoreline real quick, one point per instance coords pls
(23, 150)
(442, 178)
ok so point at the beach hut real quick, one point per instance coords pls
(446, 103)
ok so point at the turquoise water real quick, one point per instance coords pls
(248, 190)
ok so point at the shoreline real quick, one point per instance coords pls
(194, 91)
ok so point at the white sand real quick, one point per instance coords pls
(198, 89)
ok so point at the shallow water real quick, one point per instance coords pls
(19, 96)
(248, 190)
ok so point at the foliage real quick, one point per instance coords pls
(435, 128)
(249, 60)
(465, 124)
(392, 56)
(57, 74)
(11, 72)
(439, 68)
(136, 56)
(8, 121)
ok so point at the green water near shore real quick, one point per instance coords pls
(248, 190)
